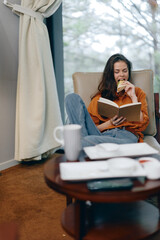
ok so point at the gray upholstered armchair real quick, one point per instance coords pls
(85, 84)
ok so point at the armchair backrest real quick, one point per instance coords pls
(85, 84)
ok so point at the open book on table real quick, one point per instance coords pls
(109, 109)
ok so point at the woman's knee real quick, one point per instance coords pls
(72, 98)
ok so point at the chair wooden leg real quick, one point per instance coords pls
(69, 200)
(157, 115)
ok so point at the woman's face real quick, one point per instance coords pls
(121, 71)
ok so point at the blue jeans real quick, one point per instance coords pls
(78, 114)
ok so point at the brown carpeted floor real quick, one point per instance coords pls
(26, 200)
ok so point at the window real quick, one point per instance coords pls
(93, 30)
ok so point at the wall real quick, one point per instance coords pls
(8, 80)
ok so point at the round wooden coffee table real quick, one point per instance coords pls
(105, 215)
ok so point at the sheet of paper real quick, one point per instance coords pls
(81, 171)
(124, 150)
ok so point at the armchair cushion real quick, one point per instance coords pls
(144, 80)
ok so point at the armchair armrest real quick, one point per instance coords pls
(157, 115)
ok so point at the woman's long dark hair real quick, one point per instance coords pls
(107, 87)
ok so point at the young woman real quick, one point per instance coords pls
(95, 128)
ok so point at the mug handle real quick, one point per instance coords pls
(59, 128)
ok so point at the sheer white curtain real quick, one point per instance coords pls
(37, 106)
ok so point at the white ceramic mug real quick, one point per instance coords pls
(70, 139)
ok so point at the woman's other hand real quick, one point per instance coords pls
(117, 120)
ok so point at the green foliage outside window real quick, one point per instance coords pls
(95, 29)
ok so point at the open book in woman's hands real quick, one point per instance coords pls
(109, 109)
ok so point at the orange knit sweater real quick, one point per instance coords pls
(135, 127)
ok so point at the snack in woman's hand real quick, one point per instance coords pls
(120, 86)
